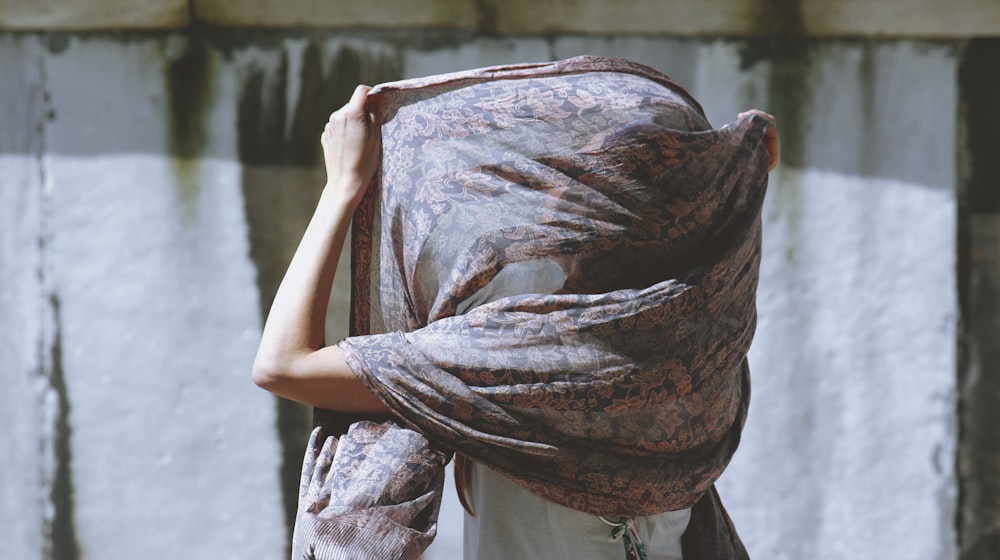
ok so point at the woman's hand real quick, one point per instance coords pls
(771, 138)
(352, 148)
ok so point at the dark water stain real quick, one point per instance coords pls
(188, 79)
(189, 94)
(486, 16)
(57, 43)
(312, 110)
(63, 541)
(282, 180)
(778, 18)
(789, 99)
(979, 89)
(430, 39)
(261, 114)
(868, 151)
(269, 136)
(977, 516)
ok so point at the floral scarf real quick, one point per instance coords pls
(554, 276)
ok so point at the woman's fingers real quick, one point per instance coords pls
(355, 107)
(773, 142)
(772, 139)
(358, 97)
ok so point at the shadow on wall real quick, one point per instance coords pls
(275, 148)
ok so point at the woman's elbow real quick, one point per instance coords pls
(268, 375)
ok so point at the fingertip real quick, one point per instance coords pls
(757, 115)
(359, 94)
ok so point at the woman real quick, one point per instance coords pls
(510, 520)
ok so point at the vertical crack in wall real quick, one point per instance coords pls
(62, 531)
(282, 181)
(978, 521)
(59, 525)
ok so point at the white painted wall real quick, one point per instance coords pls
(849, 448)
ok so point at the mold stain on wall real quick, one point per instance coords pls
(188, 76)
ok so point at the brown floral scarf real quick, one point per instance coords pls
(555, 276)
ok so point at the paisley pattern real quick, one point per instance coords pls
(356, 493)
(555, 276)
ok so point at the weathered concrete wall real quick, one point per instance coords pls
(153, 189)
(853, 400)
(132, 304)
(710, 18)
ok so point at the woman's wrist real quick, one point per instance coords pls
(345, 193)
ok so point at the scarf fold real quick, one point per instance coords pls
(555, 275)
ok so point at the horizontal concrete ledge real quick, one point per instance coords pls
(85, 15)
(932, 19)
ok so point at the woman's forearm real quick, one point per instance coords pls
(296, 322)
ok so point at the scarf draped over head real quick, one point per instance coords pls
(555, 276)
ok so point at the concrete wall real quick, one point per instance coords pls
(152, 188)
(712, 18)
(130, 316)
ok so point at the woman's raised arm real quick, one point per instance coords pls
(293, 360)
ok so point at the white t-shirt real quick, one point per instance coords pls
(514, 524)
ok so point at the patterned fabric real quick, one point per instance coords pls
(555, 276)
(355, 497)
